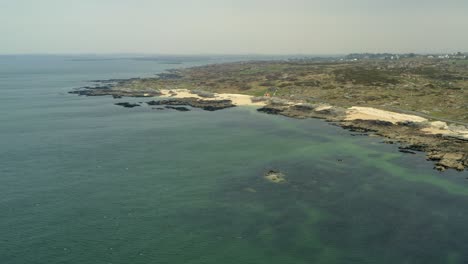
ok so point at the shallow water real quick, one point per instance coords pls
(85, 181)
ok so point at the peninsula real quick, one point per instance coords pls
(419, 102)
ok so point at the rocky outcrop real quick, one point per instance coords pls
(127, 104)
(274, 176)
(106, 90)
(402, 150)
(447, 152)
(455, 160)
(273, 110)
(208, 105)
(178, 108)
(302, 111)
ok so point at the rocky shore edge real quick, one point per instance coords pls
(447, 150)
(413, 133)
(207, 105)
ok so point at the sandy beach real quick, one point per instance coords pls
(370, 113)
(237, 99)
(435, 127)
(352, 113)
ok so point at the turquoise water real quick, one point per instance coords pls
(85, 181)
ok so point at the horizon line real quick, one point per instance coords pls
(212, 54)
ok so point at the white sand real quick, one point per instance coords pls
(353, 113)
(369, 113)
(237, 99)
(436, 127)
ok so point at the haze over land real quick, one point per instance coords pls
(233, 27)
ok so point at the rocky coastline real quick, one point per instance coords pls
(446, 151)
(116, 93)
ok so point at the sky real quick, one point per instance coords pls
(233, 26)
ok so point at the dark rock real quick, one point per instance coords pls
(412, 124)
(208, 105)
(101, 91)
(115, 80)
(416, 147)
(406, 151)
(178, 108)
(127, 104)
(358, 134)
(269, 109)
(355, 128)
(375, 122)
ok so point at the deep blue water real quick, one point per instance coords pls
(85, 181)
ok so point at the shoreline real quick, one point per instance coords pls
(352, 113)
(443, 144)
(437, 139)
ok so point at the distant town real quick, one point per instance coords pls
(390, 56)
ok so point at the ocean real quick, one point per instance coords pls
(85, 181)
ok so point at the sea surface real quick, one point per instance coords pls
(85, 181)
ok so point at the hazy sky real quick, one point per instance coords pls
(232, 26)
